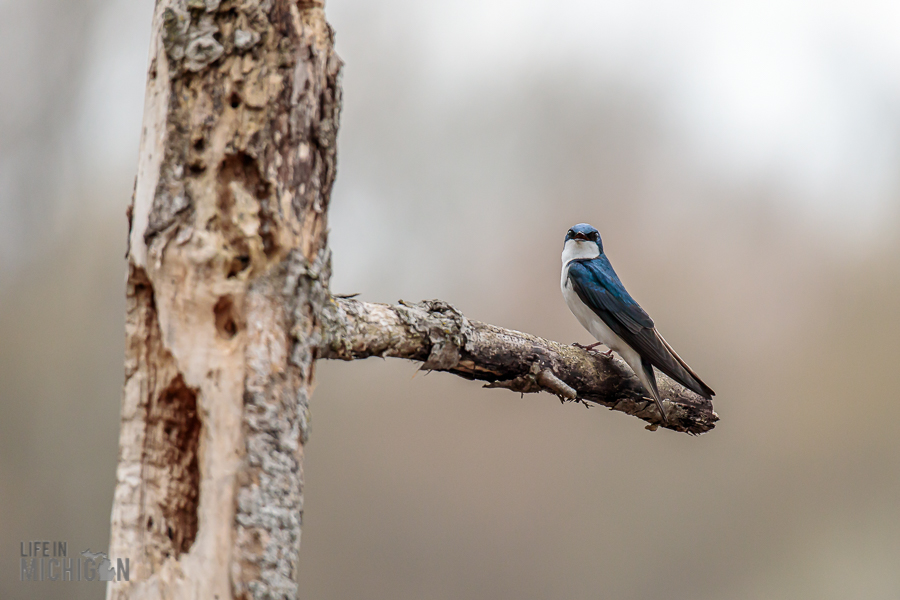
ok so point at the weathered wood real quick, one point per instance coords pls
(227, 270)
(442, 339)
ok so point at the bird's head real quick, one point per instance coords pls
(584, 241)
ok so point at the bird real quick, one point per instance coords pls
(597, 298)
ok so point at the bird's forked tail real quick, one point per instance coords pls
(648, 379)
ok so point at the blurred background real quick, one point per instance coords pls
(741, 162)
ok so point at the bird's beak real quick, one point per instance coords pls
(580, 236)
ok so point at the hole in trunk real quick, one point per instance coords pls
(226, 324)
(173, 440)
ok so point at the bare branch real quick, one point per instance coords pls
(439, 336)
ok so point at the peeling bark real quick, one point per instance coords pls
(227, 272)
(442, 339)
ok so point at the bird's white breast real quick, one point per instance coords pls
(588, 319)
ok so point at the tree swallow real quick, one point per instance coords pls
(599, 301)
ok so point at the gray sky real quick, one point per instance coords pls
(803, 93)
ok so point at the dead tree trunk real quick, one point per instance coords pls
(228, 306)
(227, 270)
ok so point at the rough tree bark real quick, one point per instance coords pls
(228, 306)
(227, 270)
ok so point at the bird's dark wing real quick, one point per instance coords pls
(598, 286)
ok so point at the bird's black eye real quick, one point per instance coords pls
(593, 236)
(569, 233)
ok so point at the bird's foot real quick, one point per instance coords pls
(590, 348)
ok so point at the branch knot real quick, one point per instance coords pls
(447, 330)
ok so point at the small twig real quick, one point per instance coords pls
(556, 385)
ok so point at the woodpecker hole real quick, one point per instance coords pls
(238, 264)
(226, 324)
(172, 447)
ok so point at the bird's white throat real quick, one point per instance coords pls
(575, 249)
